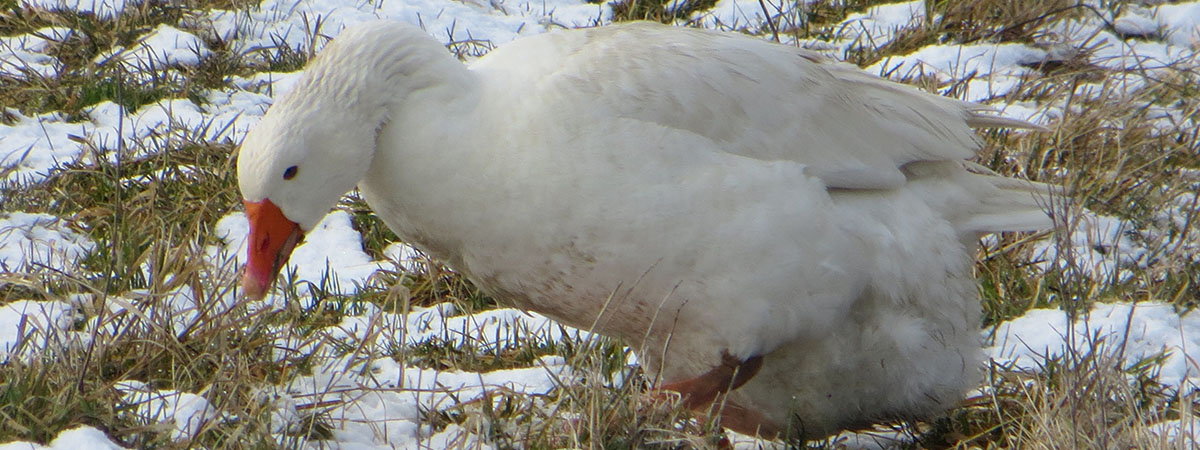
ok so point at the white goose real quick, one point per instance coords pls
(758, 220)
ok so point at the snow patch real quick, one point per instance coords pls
(1097, 246)
(295, 23)
(28, 328)
(103, 9)
(187, 413)
(880, 25)
(73, 439)
(1181, 23)
(26, 54)
(164, 47)
(1136, 331)
(35, 145)
(29, 242)
(993, 69)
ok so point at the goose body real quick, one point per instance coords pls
(757, 221)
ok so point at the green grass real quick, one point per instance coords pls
(151, 212)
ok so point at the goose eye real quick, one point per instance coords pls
(290, 172)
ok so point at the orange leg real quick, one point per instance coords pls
(748, 422)
(731, 374)
(699, 393)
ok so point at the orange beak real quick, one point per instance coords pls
(272, 238)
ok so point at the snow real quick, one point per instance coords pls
(1134, 332)
(879, 25)
(187, 414)
(409, 259)
(31, 241)
(103, 9)
(27, 53)
(875, 27)
(35, 145)
(381, 406)
(165, 46)
(296, 22)
(1098, 246)
(486, 332)
(269, 84)
(1109, 50)
(28, 327)
(743, 14)
(1132, 22)
(993, 69)
(74, 439)
(378, 400)
(1181, 22)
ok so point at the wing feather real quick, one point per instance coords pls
(753, 98)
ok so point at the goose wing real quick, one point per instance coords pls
(752, 98)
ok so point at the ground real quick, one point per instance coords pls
(121, 234)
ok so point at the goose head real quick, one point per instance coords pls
(291, 170)
(317, 142)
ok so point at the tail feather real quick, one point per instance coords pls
(1013, 205)
(978, 201)
(983, 117)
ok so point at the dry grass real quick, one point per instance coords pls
(1106, 149)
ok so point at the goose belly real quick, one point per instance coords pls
(910, 349)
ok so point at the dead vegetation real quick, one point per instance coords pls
(153, 217)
